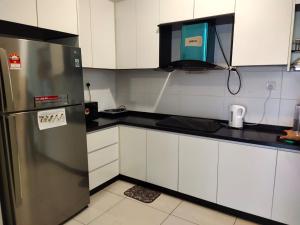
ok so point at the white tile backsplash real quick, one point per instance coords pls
(254, 82)
(205, 84)
(103, 87)
(199, 94)
(291, 85)
(286, 113)
(201, 106)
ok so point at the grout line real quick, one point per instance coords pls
(171, 213)
(106, 211)
(235, 221)
(164, 220)
(184, 219)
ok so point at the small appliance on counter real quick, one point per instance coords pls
(115, 113)
(236, 116)
(91, 111)
(292, 136)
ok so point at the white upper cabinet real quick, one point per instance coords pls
(176, 10)
(59, 15)
(19, 11)
(133, 152)
(198, 167)
(208, 8)
(162, 159)
(96, 20)
(126, 34)
(262, 32)
(85, 34)
(147, 33)
(287, 185)
(103, 34)
(137, 37)
(246, 178)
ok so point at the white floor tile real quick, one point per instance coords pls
(107, 220)
(172, 220)
(100, 203)
(119, 187)
(72, 222)
(244, 222)
(129, 212)
(88, 215)
(203, 216)
(165, 203)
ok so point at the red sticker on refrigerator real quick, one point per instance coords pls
(14, 61)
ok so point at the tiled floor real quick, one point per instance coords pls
(112, 207)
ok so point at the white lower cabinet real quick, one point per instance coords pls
(103, 156)
(198, 167)
(103, 174)
(133, 152)
(162, 159)
(246, 178)
(286, 204)
(103, 138)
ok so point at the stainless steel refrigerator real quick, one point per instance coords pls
(43, 153)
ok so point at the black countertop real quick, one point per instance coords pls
(261, 134)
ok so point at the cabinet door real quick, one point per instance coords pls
(19, 11)
(126, 34)
(246, 178)
(133, 152)
(162, 159)
(198, 167)
(103, 34)
(287, 185)
(59, 15)
(261, 36)
(85, 33)
(176, 10)
(208, 8)
(147, 33)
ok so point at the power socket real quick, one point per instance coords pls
(271, 85)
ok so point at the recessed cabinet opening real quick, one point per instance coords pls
(196, 45)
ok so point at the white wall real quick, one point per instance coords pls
(205, 94)
(103, 89)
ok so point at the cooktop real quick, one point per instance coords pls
(190, 123)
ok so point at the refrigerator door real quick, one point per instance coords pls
(48, 165)
(38, 75)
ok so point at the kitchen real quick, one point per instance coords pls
(186, 106)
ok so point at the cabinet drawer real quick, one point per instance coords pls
(103, 156)
(101, 139)
(103, 174)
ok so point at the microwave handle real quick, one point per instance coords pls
(9, 96)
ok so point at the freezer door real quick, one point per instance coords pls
(38, 75)
(49, 167)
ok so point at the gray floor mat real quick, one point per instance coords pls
(142, 194)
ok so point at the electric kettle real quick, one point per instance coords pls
(236, 116)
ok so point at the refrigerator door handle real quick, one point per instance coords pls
(15, 160)
(6, 79)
